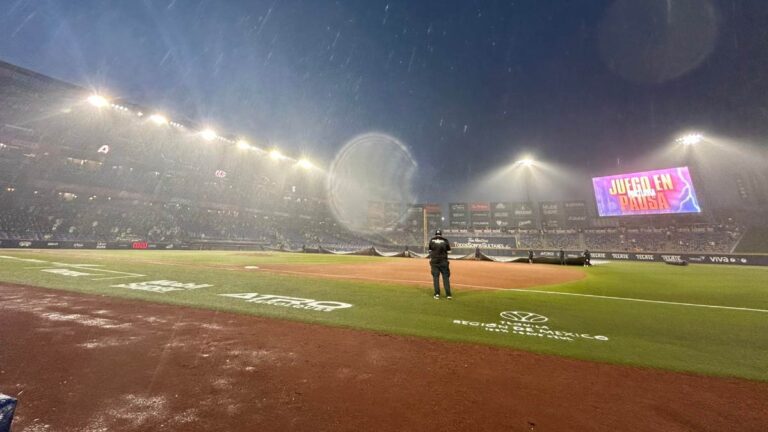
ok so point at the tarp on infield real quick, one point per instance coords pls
(378, 252)
(496, 258)
(412, 254)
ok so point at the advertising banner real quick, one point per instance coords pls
(649, 192)
(382, 214)
(552, 214)
(575, 214)
(434, 216)
(523, 216)
(414, 216)
(480, 216)
(472, 242)
(45, 244)
(458, 215)
(501, 215)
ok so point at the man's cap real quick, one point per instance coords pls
(438, 232)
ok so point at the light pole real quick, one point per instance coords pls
(690, 141)
(527, 163)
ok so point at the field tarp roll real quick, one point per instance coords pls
(469, 256)
(389, 254)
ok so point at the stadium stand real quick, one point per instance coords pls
(755, 240)
(72, 171)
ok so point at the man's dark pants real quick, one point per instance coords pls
(441, 267)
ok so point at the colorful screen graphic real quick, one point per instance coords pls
(649, 192)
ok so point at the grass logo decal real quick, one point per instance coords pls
(292, 302)
(161, 286)
(524, 316)
(528, 324)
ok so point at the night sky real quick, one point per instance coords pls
(467, 85)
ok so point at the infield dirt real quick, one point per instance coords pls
(464, 274)
(91, 363)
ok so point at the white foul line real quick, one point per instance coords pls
(128, 275)
(91, 268)
(525, 290)
(641, 300)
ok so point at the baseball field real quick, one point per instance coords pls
(181, 340)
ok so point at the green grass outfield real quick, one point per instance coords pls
(669, 330)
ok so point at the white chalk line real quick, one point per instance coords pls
(91, 268)
(131, 275)
(525, 290)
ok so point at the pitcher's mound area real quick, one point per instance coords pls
(465, 274)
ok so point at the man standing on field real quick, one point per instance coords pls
(438, 261)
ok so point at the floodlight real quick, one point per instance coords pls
(208, 134)
(305, 163)
(690, 139)
(158, 119)
(98, 101)
(243, 145)
(276, 155)
(526, 162)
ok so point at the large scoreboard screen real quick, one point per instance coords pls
(649, 192)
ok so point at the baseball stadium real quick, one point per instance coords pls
(170, 270)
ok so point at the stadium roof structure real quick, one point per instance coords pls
(38, 79)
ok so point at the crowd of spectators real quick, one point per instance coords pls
(76, 219)
(71, 171)
(699, 238)
(62, 216)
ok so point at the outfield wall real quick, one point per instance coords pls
(693, 258)
(45, 244)
(495, 254)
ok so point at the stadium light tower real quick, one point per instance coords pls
(305, 163)
(208, 134)
(276, 155)
(526, 162)
(98, 101)
(158, 119)
(690, 139)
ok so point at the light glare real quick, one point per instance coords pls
(690, 139)
(208, 134)
(158, 119)
(275, 155)
(304, 163)
(243, 145)
(98, 101)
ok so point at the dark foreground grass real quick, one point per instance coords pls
(715, 341)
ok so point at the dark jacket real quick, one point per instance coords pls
(438, 249)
